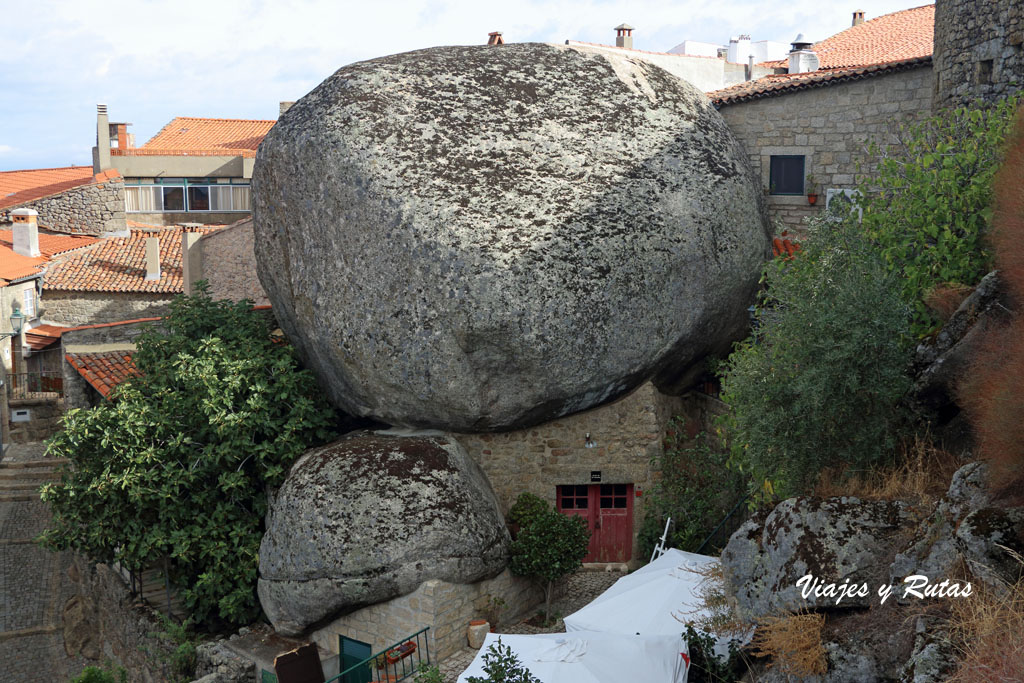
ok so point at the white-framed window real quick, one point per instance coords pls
(186, 194)
(28, 306)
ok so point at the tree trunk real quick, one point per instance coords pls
(547, 603)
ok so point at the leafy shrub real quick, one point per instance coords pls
(175, 467)
(549, 548)
(705, 666)
(697, 489)
(991, 392)
(821, 380)
(94, 674)
(503, 666)
(180, 656)
(428, 674)
(928, 204)
(526, 509)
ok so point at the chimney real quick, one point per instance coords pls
(152, 258)
(120, 131)
(858, 17)
(191, 259)
(739, 49)
(802, 58)
(26, 232)
(494, 38)
(101, 160)
(283, 107)
(624, 36)
(750, 68)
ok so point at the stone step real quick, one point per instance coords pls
(28, 474)
(33, 464)
(18, 497)
(20, 486)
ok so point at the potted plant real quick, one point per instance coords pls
(812, 189)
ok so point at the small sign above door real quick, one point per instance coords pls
(595, 475)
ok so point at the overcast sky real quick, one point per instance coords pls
(151, 60)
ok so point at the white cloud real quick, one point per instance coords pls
(5, 149)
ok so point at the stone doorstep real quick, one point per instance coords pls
(262, 649)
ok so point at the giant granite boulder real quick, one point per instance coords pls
(484, 238)
(371, 517)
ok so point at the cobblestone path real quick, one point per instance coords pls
(33, 581)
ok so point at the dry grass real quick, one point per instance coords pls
(922, 477)
(945, 299)
(715, 613)
(988, 628)
(793, 642)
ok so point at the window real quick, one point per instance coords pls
(186, 194)
(614, 496)
(983, 73)
(787, 174)
(573, 497)
(28, 307)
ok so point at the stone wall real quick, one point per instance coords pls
(45, 413)
(62, 307)
(446, 608)
(117, 623)
(978, 50)
(628, 433)
(85, 210)
(229, 264)
(829, 126)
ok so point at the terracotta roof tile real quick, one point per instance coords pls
(49, 244)
(104, 370)
(118, 264)
(189, 136)
(780, 84)
(894, 37)
(43, 336)
(19, 187)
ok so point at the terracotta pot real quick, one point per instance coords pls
(812, 199)
(477, 631)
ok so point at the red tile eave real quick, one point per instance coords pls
(54, 181)
(104, 371)
(780, 84)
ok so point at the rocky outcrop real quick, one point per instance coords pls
(989, 539)
(833, 540)
(371, 517)
(484, 238)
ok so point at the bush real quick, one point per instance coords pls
(175, 467)
(697, 490)
(928, 204)
(991, 392)
(503, 666)
(820, 382)
(94, 674)
(548, 549)
(527, 509)
(705, 666)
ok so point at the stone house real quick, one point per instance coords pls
(71, 199)
(227, 261)
(806, 129)
(193, 170)
(119, 278)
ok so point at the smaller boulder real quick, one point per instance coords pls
(371, 517)
(989, 539)
(833, 540)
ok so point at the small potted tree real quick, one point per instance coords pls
(812, 189)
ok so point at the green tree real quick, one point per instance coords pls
(503, 666)
(172, 472)
(821, 380)
(928, 204)
(548, 548)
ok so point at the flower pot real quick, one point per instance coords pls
(477, 631)
(812, 199)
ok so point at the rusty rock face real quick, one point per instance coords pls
(485, 238)
(371, 517)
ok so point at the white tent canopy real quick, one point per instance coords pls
(655, 600)
(586, 657)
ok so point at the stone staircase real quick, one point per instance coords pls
(20, 481)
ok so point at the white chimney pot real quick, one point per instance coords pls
(26, 232)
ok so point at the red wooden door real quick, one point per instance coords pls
(608, 511)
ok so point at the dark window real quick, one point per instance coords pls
(573, 497)
(198, 199)
(614, 495)
(984, 75)
(787, 174)
(174, 199)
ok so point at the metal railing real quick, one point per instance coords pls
(397, 662)
(34, 384)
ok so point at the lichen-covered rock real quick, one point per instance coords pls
(217, 663)
(988, 539)
(484, 238)
(968, 491)
(832, 539)
(371, 517)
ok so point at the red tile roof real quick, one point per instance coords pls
(104, 370)
(43, 336)
(894, 37)
(188, 136)
(49, 244)
(118, 264)
(19, 187)
(780, 84)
